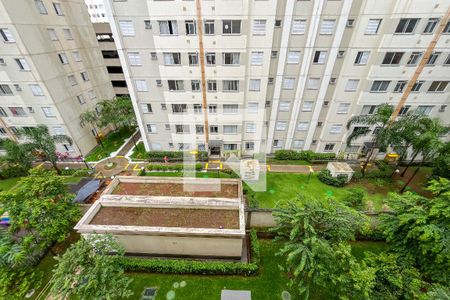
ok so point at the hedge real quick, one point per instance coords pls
(77, 172)
(174, 156)
(325, 177)
(185, 266)
(176, 167)
(303, 155)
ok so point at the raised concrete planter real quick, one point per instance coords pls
(340, 168)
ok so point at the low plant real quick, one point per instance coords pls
(325, 177)
(174, 156)
(355, 197)
(307, 155)
(175, 167)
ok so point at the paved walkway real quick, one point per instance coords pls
(120, 164)
(130, 144)
(295, 168)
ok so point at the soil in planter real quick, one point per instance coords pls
(174, 189)
(167, 217)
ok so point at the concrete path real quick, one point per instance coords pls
(294, 168)
(130, 144)
(120, 164)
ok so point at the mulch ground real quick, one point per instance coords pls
(167, 217)
(175, 189)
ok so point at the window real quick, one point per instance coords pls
(298, 27)
(76, 55)
(126, 28)
(179, 108)
(343, 108)
(58, 130)
(212, 108)
(288, 83)
(392, 58)
(229, 147)
(417, 86)
(362, 57)
(433, 57)
(257, 58)
(153, 55)
(199, 129)
(151, 128)
(399, 86)
(141, 85)
(404, 110)
(230, 129)
(259, 27)
(249, 146)
(406, 25)
(270, 80)
(250, 127)
(302, 126)
(230, 85)
(191, 27)
(168, 27)
(293, 57)
(329, 147)
(340, 54)
(285, 105)
(81, 99)
(231, 26)
(280, 126)
(335, 128)
(414, 58)
(67, 34)
(36, 89)
(212, 85)
(423, 110)
(438, 86)
(63, 58)
(277, 143)
(5, 90)
(380, 85)
(232, 58)
(373, 26)
(307, 105)
(193, 59)
(171, 59)
(447, 28)
(41, 7)
(84, 76)
(134, 58)
(72, 80)
(214, 129)
(58, 8)
(368, 110)
(327, 26)
(210, 58)
(48, 112)
(319, 57)
(252, 108)
(159, 82)
(197, 108)
(23, 65)
(3, 112)
(209, 27)
(195, 85)
(175, 85)
(155, 146)
(163, 106)
(351, 85)
(6, 35)
(313, 83)
(298, 144)
(147, 24)
(277, 23)
(431, 25)
(447, 60)
(52, 34)
(254, 85)
(230, 108)
(17, 87)
(92, 94)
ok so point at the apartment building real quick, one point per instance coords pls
(262, 75)
(111, 57)
(51, 70)
(96, 11)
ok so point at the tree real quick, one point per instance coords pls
(380, 119)
(44, 144)
(17, 156)
(441, 164)
(117, 112)
(90, 269)
(315, 235)
(41, 209)
(91, 118)
(419, 231)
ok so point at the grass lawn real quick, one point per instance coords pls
(359, 248)
(139, 152)
(8, 184)
(70, 179)
(275, 161)
(111, 143)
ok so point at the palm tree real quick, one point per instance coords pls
(42, 142)
(380, 119)
(91, 118)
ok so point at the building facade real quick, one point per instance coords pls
(96, 10)
(262, 75)
(51, 70)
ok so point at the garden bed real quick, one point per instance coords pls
(167, 217)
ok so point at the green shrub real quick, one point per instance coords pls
(173, 156)
(357, 175)
(307, 155)
(14, 171)
(325, 177)
(176, 167)
(185, 266)
(355, 197)
(77, 172)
